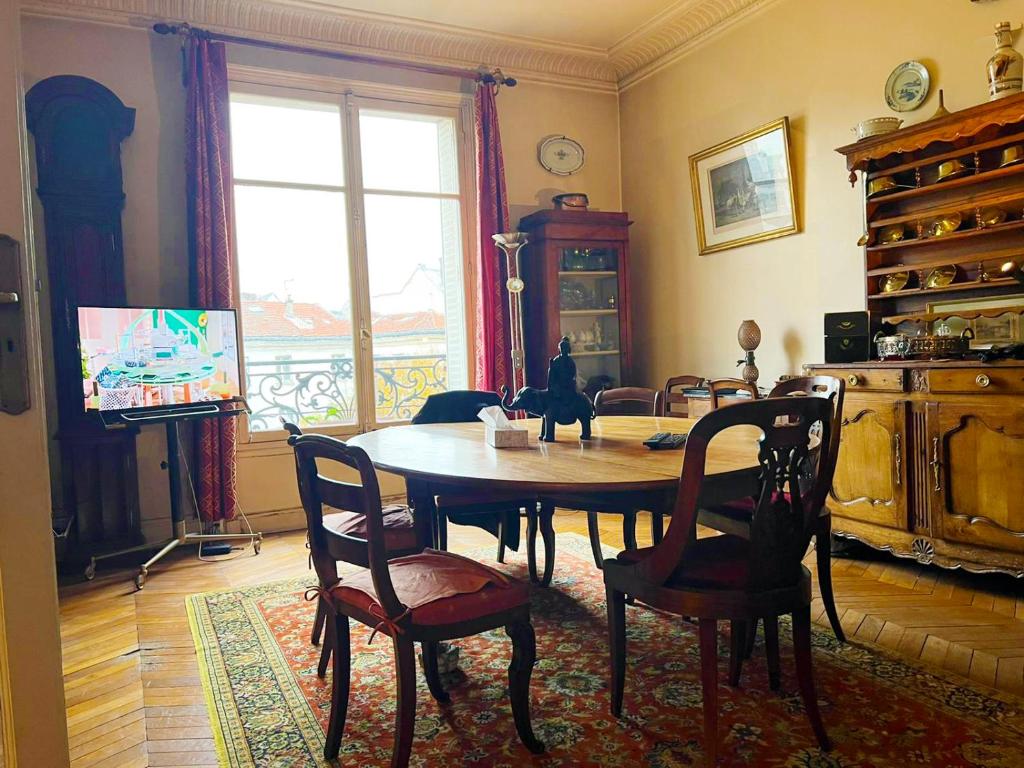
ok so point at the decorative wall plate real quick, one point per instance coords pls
(907, 86)
(560, 155)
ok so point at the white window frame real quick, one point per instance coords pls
(350, 96)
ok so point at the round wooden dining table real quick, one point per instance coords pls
(613, 472)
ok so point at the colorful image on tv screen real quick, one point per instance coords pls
(142, 358)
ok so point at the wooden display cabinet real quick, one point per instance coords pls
(576, 270)
(930, 464)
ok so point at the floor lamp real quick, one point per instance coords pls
(511, 243)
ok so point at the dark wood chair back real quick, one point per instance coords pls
(716, 387)
(783, 520)
(673, 400)
(455, 407)
(628, 401)
(316, 490)
(827, 387)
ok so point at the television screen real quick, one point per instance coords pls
(157, 357)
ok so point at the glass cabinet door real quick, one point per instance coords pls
(588, 306)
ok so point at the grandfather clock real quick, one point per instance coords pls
(78, 126)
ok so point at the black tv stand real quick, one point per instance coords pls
(170, 418)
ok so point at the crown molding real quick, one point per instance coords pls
(653, 45)
(675, 32)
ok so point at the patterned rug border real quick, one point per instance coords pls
(228, 731)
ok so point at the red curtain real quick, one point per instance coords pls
(208, 175)
(492, 338)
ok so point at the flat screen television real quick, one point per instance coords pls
(157, 357)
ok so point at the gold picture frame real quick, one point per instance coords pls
(743, 189)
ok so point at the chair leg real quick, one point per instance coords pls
(737, 645)
(405, 711)
(617, 646)
(524, 653)
(709, 683)
(771, 650)
(595, 539)
(748, 647)
(823, 551)
(657, 527)
(338, 635)
(318, 622)
(442, 530)
(805, 674)
(326, 650)
(501, 539)
(431, 672)
(532, 521)
(547, 532)
(629, 530)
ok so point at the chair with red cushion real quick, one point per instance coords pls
(735, 517)
(728, 577)
(422, 598)
(345, 534)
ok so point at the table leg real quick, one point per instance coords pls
(424, 514)
(547, 532)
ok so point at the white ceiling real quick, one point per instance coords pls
(593, 23)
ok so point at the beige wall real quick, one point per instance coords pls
(143, 70)
(28, 589)
(824, 63)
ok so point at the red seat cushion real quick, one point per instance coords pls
(399, 531)
(438, 587)
(716, 562)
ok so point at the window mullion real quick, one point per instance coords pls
(358, 264)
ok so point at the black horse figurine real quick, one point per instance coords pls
(560, 403)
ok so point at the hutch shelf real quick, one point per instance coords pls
(932, 450)
(576, 268)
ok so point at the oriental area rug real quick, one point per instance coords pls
(269, 709)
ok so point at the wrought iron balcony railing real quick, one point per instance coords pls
(320, 392)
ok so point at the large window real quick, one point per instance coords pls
(350, 245)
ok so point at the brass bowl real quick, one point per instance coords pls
(881, 184)
(991, 216)
(1012, 155)
(943, 225)
(894, 281)
(951, 169)
(940, 277)
(891, 234)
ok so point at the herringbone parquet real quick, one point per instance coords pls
(134, 697)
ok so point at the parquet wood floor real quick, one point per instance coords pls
(134, 697)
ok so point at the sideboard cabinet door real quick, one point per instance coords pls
(975, 459)
(871, 476)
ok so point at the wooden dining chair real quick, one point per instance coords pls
(345, 536)
(674, 400)
(423, 598)
(735, 517)
(718, 387)
(728, 577)
(496, 513)
(623, 401)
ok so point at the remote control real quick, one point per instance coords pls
(672, 442)
(655, 440)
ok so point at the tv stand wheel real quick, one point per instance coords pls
(140, 580)
(90, 570)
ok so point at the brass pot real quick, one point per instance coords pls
(1012, 155)
(951, 169)
(881, 184)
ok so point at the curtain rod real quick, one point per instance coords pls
(482, 75)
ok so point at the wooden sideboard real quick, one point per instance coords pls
(931, 464)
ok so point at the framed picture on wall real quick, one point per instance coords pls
(743, 189)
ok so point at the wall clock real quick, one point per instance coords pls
(560, 155)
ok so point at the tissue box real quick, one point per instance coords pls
(506, 438)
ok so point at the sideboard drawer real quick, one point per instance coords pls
(867, 379)
(977, 381)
